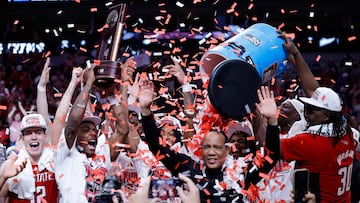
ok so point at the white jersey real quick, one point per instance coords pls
(72, 169)
(279, 185)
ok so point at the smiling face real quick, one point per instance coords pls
(315, 115)
(214, 150)
(87, 138)
(168, 132)
(34, 139)
(239, 140)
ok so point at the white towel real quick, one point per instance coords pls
(24, 183)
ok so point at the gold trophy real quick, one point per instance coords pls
(110, 69)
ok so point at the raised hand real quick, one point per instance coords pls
(134, 89)
(191, 194)
(146, 95)
(89, 75)
(176, 70)
(267, 105)
(290, 47)
(44, 78)
(128, 69)
(10, 169)
(76, 76)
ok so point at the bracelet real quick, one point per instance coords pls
(186, 87)
(41, 89)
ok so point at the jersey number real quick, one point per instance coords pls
(40, 194)
(345, 173)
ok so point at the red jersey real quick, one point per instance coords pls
(46, 189)
(330, 165)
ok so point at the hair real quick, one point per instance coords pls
(177, 134)
(340, 126)
(226, 139)
(250, 144)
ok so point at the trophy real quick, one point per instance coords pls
(109, 69)
(239, 66)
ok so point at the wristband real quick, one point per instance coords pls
(186, 88)
(41, 89)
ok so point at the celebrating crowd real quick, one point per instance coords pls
(70, 140)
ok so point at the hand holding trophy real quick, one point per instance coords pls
(109, 69)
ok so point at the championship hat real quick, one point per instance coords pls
(324, 98)
(237, 127)
(32, 120)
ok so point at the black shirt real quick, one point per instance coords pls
(206, 179)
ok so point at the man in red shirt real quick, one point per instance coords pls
(36, 183)
(325, 148)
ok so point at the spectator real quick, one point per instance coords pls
(14, 119)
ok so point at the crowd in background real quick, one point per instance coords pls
(21, 75)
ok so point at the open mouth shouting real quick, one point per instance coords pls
(92, 145)
(34, 146)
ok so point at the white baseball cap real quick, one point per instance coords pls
(324, 98)
(237, 126)
(32, 120)
(89, 117)
(170, 120)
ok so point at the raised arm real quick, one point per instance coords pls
(156, 144)
(41, 98)
(10, 169)
(307, 79)
(22, 109)
(189, 104)
(64, 105)
(78, 109)
(120, 113)
(268, 109)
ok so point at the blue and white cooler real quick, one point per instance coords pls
(240, 65)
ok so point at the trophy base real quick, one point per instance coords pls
(106, 73)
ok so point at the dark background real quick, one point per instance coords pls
(340, 19)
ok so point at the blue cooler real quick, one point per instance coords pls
(240, 65)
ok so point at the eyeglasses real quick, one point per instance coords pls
(311, 109)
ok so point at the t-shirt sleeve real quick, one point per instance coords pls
(293, 148)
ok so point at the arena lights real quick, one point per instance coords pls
(326, 41)
(23, 47)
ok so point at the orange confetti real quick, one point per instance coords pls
(250, 6)
(58, 94)
(318, 58)
(352, 38)
(206, 192)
